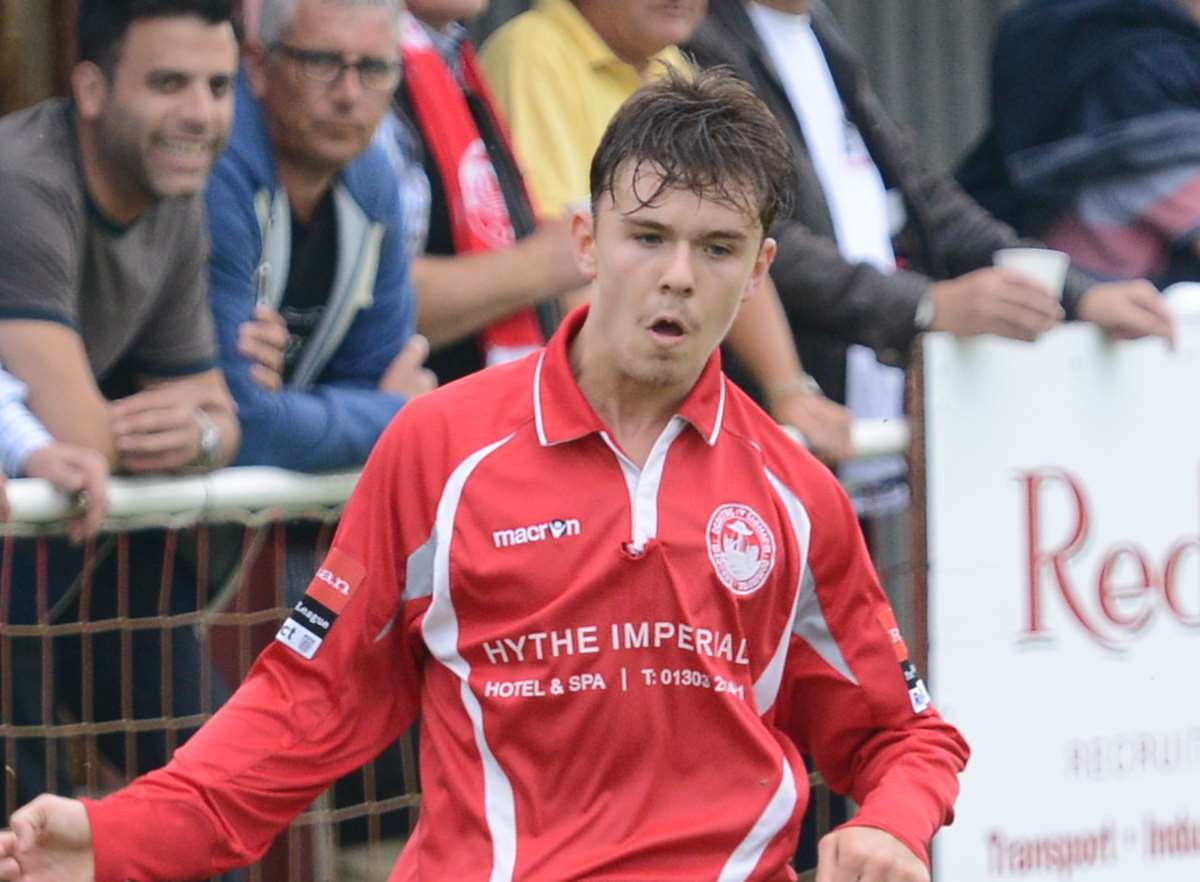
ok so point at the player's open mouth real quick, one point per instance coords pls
(182, 147)
(667, 330)
(185, 154)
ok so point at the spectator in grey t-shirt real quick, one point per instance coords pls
(103, 311)
(104, 318)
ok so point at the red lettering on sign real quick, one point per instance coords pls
(1057, 558)
(1170, 574)
(1129, 589)
(1114, 596)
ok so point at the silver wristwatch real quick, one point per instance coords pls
(209, 455)
(924, 315)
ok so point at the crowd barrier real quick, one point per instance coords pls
(104, 671)
(1058, 485)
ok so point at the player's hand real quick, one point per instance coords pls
(156, 430)
(994, 301)
(867, 854)
(75, 470)
(551, 246)
(405, 375)
(50, 841)
(1128, 310)
(824, 424)
(264, 341)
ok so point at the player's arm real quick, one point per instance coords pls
(326, 425)
(183, 415)
(168, 425)
(340, 683)
(459, 295)
(762, 340)
(40, 342)
(49, 358)
(853, 702)
(50, 839)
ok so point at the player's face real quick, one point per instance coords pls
(668, 277)
(164, 116)
(322, 126)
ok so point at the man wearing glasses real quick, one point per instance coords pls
(309, 274)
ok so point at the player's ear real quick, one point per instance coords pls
(89, 88)
(762, 265)
(583, 240)
(254, 62)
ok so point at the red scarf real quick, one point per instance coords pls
(479, 215)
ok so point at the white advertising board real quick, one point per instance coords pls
(1063, 520)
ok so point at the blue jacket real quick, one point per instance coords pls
(331, 411)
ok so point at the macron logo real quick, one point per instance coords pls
(555, 529)
(337, 583)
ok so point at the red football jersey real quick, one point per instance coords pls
(616, 668)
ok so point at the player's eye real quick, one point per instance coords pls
(166, 82)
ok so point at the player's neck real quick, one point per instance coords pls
(635, 412)
(794, 7)
(119, 204)
(305, 185)
(441, 24)
(635, 426)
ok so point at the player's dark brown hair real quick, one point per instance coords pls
(707, 133)
(103, 23)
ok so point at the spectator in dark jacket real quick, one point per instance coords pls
(877, 249)
(1094, 143)
(943, 242)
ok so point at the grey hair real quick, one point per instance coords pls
(276, 16)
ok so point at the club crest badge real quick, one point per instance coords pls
(741, 548)
(486, 213)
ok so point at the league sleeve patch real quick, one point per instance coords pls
(918, 695)
(336, 580)
(301, 639)
(326, 597)
(888, 620)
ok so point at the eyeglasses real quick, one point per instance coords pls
(376, 74)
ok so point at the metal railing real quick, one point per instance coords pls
(238, 493)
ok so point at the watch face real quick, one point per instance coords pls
(923, 317)
(210, 440)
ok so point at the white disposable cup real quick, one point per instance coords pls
(1043, 265)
